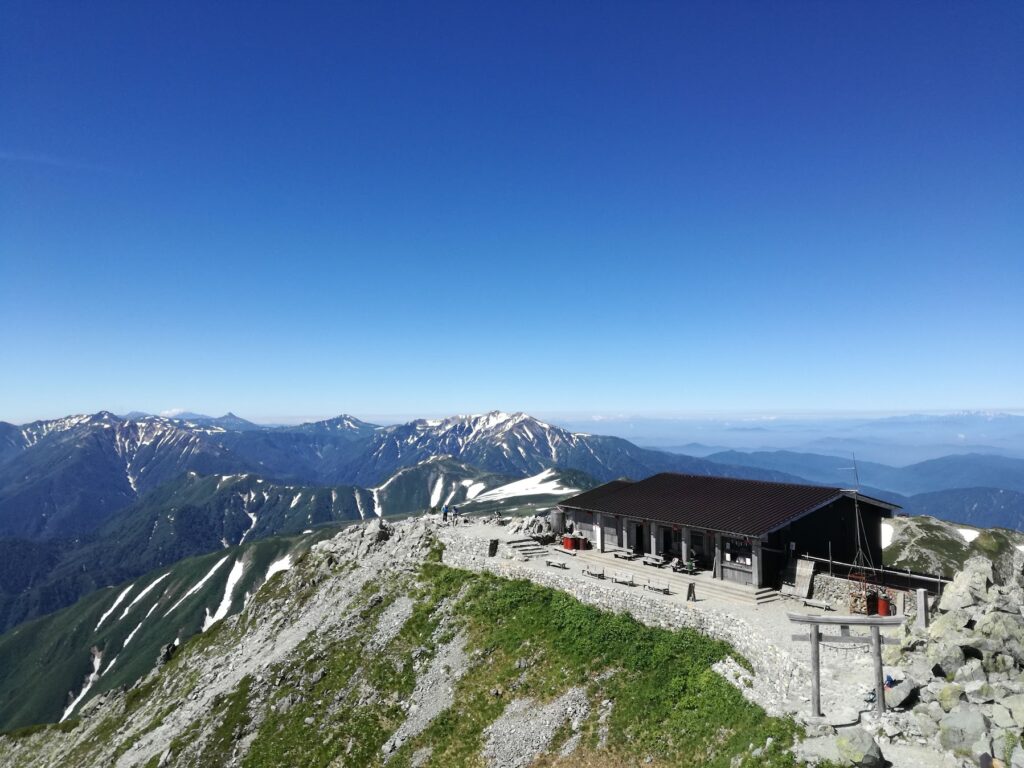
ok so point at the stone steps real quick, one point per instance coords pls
(527, 547)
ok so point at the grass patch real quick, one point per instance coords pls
(668, 703)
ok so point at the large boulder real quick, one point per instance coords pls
(949, 696)
(980, 692)
(899, 693)
(1006, 598)
(999, 663)
(1015, 704)
(970, 587)
(1001, 716)
(963, 731)
(947, 626)
(1000, 627)
(970, 672)
(857, 748)
(945, 659)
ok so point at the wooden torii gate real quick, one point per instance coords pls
(844, 623)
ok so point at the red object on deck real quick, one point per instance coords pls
(567, 542)
(883, 606)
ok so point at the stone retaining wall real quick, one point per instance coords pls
(776, 670)
(836, 592)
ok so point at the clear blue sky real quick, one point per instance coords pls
(291, 209)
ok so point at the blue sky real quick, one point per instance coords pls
(294, 210)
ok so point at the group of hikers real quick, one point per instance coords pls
(454, 513)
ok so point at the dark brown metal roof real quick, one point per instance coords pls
(729, 505)
(594, 495)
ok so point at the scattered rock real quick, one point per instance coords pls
(971, 671)
(950, 696)
(945, 658)
(525, 729)
(166, 654)
(899, 693)
(962, 729)
(857, 748)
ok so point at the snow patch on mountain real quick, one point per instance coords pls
(199, 584)
(969, 534)
(435, 495)
(887, 532)
(97, 658)
(142, 594)
(283, 564)
(116, 603)
(137, 627)
(546, 483)
(225, 604)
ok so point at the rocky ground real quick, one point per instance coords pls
(962, 678)
(355, 657)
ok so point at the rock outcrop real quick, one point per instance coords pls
(969, 664)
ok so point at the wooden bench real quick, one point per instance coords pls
(556, 564)
(690, 568)
(657, 586)
(626, 555)
(817, 604)
(623, 578)
(593, 572)
(655, 562)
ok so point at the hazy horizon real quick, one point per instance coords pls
(387, 418)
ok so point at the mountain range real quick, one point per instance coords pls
(209, 505)
(194, 513)
(64, 477)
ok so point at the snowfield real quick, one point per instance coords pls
(969, 534)
(887, 531)
(544, 484)
(225, 603)
(279, 565)
(198, 585)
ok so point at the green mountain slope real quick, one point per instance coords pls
(45, 663)
(188, 516)
(196, 514)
